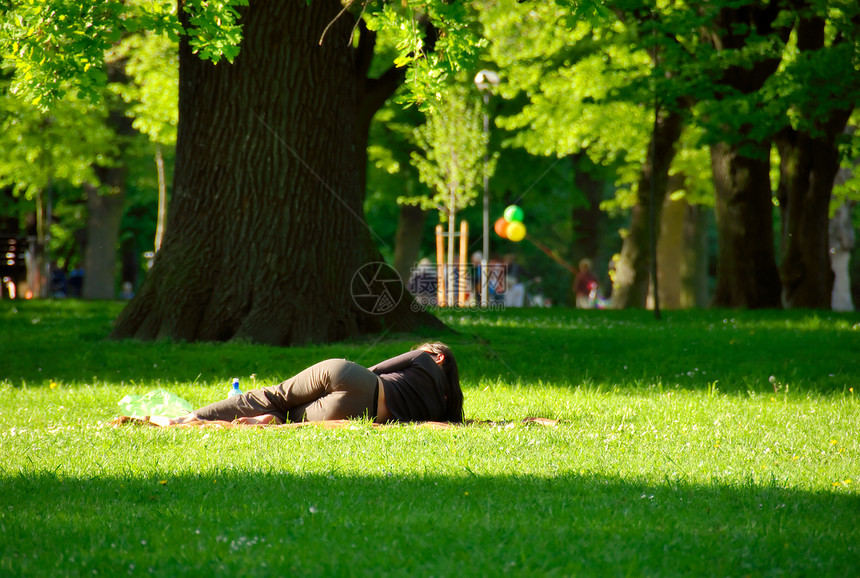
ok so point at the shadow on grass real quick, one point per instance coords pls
(268, 522)
(811, 351)
(740, 350)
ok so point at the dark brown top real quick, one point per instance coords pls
(414, 386)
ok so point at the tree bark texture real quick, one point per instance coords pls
(632, 273)
(266, 231)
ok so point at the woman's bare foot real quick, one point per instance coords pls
(166, 421)
(264, 419)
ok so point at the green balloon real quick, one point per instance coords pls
(514, 214)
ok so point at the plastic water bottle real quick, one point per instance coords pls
(234, 389)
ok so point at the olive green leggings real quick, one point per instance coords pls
(331, 389)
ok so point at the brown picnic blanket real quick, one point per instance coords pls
(155, 421)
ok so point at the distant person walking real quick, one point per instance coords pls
(585, 285)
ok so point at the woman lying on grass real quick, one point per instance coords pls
(420, 385)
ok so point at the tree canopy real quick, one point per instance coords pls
(720, 103)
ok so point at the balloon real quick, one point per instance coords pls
(514, 214)
(500, 226)
(516, 231)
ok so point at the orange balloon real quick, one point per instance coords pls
(515, 231)
(500, 227)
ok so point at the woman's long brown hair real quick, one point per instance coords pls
(454, 397)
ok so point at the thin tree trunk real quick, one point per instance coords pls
(694, 261)
(670, 248)
(39, 277)
(162, 198)
(105, 204)
(266, 234)
(632, 273)
(450, 266)
(103, 222)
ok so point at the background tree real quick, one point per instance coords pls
(450, 161)
(784, 80)
(824, 58)
(48, 66)
(541, 185)
(742, 88)
(260, 259)
(106, 196)
(151, 93)
(47, 158)
(748, 40)
(587, 85)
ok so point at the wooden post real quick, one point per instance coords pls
(464, 246)
(440, 267)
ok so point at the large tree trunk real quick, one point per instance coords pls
(746, 274)
(807, 168)
(266, 235)
(632, 273)
(809, 161)
(746, 271)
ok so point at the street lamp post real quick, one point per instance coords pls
(485, 80)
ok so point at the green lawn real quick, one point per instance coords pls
(710, 443)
